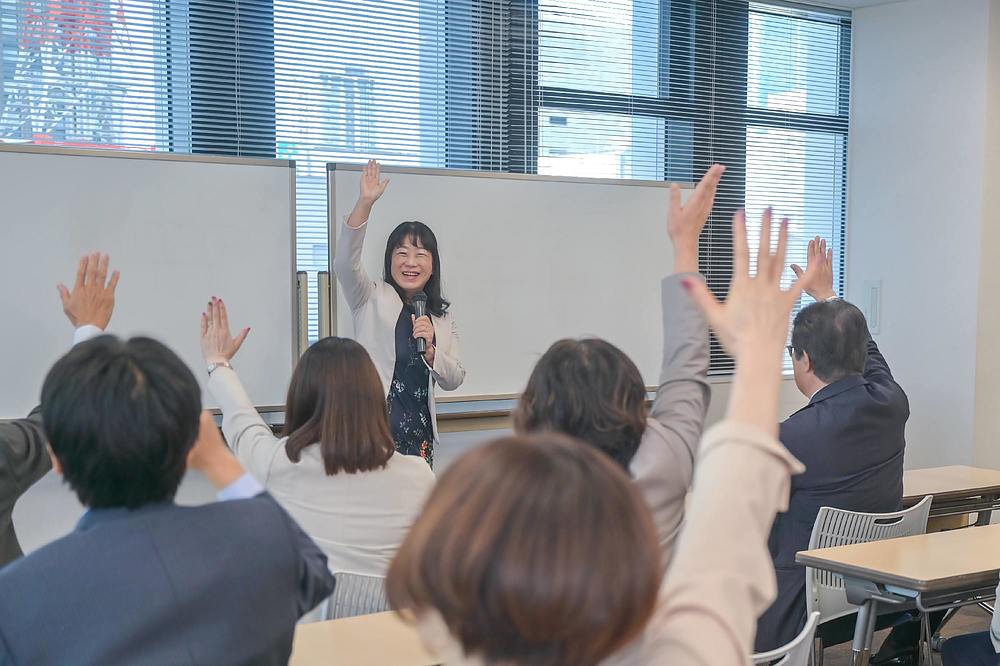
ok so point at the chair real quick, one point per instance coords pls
(795, 653)
(825, 592)
(355, 594)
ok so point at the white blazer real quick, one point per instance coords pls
(375, 307)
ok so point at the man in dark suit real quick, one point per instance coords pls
(140, 579)
(23, 455)
(850, 437)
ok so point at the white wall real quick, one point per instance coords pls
(915, 216)
(987, 416)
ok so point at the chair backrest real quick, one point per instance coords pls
(795, 653)
(355, 594)
(835, 527)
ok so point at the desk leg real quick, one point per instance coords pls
(984, 516)
(864, 630)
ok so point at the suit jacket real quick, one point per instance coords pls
(217, 584)
(851, 438)
(375, 307)
(663, 465)
(24, 459)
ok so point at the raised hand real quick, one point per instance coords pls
(217, 344)
(372, 185)
(754, 317)
(752, 324)
(819, 268)
(686, 222)
(92, 301)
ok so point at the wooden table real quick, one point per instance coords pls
(957, 490)
(381, 639)
(930, 571)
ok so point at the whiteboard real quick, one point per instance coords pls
(179, 229)
(526, 261)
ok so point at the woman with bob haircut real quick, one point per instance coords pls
(538, 552)
(591, 390)
(335, 470)
(386, 324)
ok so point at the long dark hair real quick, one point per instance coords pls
(336, 399)
(419, 234)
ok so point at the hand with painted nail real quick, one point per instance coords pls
(217, 344)
(752, 323)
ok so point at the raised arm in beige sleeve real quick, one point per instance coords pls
(247, 434)
(664, 464)
(354, 279)
(721, 578)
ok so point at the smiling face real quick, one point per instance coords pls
(412, 266)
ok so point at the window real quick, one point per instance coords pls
(660, 90)
(652, 89)
(82, 73)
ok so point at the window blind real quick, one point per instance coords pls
(653, 89)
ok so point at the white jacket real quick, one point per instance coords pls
(375, 307)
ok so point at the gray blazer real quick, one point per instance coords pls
(24, 459)
(663, 466)
(218, 584)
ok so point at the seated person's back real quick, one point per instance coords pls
(336, 470)
(850, 437)
(141, 580)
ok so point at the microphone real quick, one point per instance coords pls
(419, 303)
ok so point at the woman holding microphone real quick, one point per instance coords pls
(412, 353)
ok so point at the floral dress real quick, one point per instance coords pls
(409, 393)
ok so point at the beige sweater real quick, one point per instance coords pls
(721, 578)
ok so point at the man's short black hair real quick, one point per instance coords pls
(835, 335)
(121, 417)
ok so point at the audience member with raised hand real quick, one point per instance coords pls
(140, 579)
(23, 455)
(534, 552)
(335, 470)
(851, 438)
(412, 354)
(591, 390)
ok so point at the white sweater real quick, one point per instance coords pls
(359, 520)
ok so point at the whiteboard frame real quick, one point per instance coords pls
(333, 225)
(71, 151)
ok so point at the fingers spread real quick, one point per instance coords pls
(102, 270)
(778, 264)
(240, 338)
(741, 251)
(704, 299)
(81, 272)
(764, 244)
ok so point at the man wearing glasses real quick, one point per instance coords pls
(851, 438)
